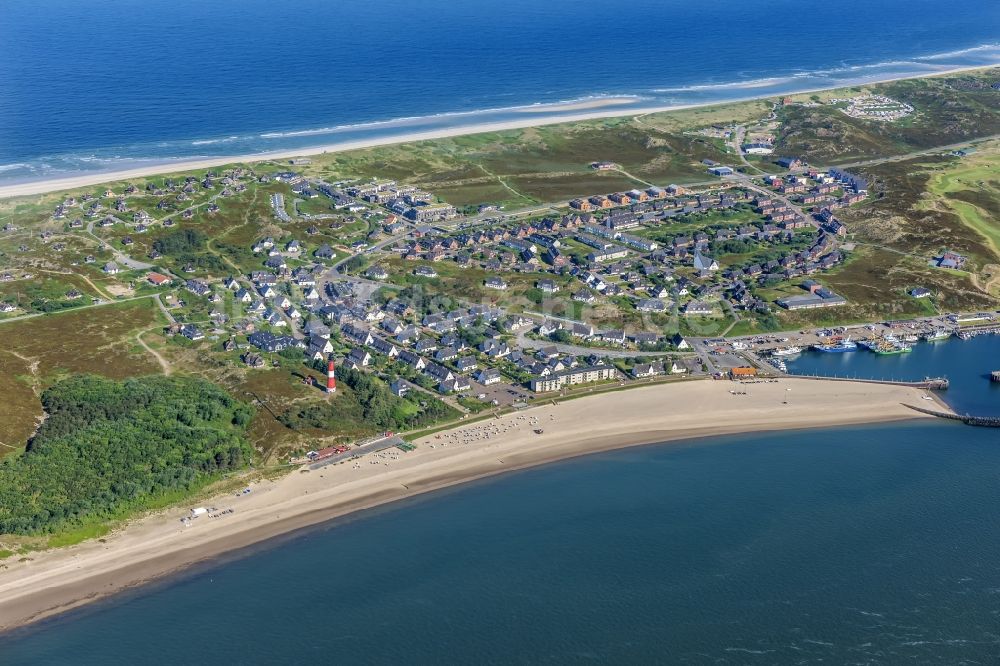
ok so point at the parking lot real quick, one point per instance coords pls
(503, 393)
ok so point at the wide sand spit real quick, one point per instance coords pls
(49, 582)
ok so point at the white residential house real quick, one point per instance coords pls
(547, 328)
(359, 358)
(647, 370)
(488, 376)
(698, 308)
(495, 283)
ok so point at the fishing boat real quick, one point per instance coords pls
(836, 347)
(937, 335)
(787, 351)
(886, 345)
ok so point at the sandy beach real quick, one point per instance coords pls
(533, 116)
(53, 581)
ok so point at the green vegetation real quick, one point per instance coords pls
(971, 188)
(369, 404)
(38, 352)
(188, 248)
(949, 109)
(516, 168)
(919, 206)
(108, 447)
(180, 242)
(355, 264)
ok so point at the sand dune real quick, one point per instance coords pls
(533, 117)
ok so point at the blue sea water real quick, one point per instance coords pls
(874, 545)
(966, 364)
(861, 545)
(858, 545)
(95, 86)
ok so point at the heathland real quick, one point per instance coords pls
(170, 274)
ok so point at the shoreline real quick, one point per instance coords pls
(157, 546)
(531, 117)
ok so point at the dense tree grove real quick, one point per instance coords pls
(369, 403)
(106, 446)
(187, 247)
(180, 242)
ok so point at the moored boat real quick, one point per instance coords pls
(845, 345)
(886, 346)
(787, 351)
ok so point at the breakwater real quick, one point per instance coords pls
(967, 419)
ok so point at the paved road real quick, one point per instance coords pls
(523, 341)
(918, 153)
(120, 257)
(163, 309)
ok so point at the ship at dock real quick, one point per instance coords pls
(787, 351)
(836, 347)
(886, 346)
(936, 335)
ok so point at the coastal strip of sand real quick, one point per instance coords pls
(532, 116)
(50, 582)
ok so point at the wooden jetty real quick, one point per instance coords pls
(929, 383)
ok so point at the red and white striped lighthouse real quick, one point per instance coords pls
(331, 378)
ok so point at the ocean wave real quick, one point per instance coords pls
(436, 117)
(995, 46)
(989, 54)
(730, 85)
(745, 85)
(210, 142)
